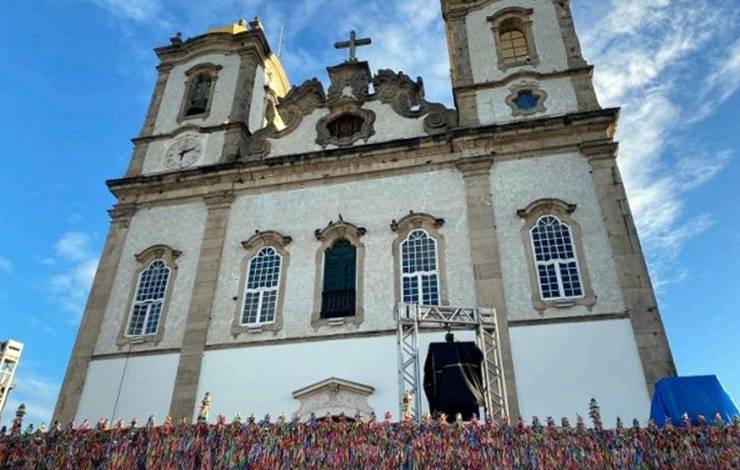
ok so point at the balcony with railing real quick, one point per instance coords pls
(338, 303)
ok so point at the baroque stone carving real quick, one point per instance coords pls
(406, 97)
(351, 77)
(347, 95)
(537, 96)
(325, 135)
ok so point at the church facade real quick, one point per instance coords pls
(265, 234)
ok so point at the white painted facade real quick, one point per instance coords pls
(223, 94)
(257, 109)
(179, 227)
(551, 52)
(548, 40)
(560, 367)
(493, 109)
(517, 183)
(298, 213)
(128, 388)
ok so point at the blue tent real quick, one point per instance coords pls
(703, 395)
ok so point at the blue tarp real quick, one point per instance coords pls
(703, 395)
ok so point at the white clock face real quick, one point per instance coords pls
(184, 152)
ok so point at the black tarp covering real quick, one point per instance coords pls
(452, 379)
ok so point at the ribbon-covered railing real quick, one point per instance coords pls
(345, 443)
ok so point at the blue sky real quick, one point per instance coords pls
(76, 76)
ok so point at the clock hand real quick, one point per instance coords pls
(186, 151)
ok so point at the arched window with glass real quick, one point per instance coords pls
(262, 286)
(556, 259)
(419, 269)
(148, 303)
(513, 42)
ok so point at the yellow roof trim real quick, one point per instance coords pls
(234, 28)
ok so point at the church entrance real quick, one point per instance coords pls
(339, 293)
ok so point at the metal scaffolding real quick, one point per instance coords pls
(412, 319)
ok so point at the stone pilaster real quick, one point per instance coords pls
(634, 278)
(199, 314)
(484, 250)
(461, 68)
(235, 137)
(87, 335)
(136, 167)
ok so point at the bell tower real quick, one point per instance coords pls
(515, 59)
(212, 92)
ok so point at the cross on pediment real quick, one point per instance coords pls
(352, 45)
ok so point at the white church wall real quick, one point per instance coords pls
(391, 126)
(175, 90)
(560, 367)
(213, 144)
(257, 109)
(493, 109)
(547, 37)
(517, 183)
(369, 203)
(300, 140)
(179, 227)
(128, 388)
(261, 379)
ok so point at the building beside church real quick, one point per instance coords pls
(10, 356)
(265, 233)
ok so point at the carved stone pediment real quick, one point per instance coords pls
(333, 397)
(349, 120)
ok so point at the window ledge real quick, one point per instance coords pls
(335, 321)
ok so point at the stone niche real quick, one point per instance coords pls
(333, 397)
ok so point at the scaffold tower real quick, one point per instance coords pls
(413, 319)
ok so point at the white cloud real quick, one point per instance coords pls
(5, 265)
(648, 57)
(79, 260)
(721, 83)
(38, 393)
(73, 246)
(137, 10)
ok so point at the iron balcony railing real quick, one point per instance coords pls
(338, 303)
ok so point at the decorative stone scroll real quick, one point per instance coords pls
(406, 97)
(348, 94)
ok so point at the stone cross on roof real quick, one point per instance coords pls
(352, 45)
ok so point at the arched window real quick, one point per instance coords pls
(149, 299)
(555, 259)
(263, 281)
(200, 94)
(419, 275)
(513, 42)
(200, 86)
(338, 296)
(514, 37)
